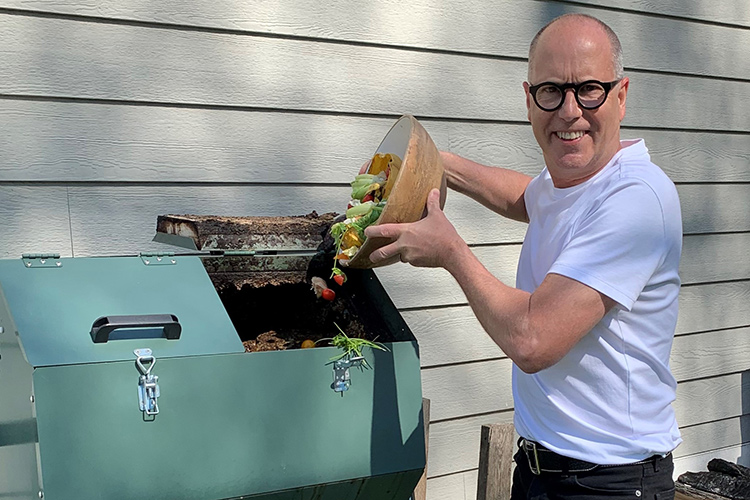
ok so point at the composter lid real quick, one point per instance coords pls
(256, 233)
(55, 304)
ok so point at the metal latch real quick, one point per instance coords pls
(41, 260)
(148, 388)
(158, 258)
(341, 376)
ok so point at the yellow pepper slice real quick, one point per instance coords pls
(351, 239)
(379, 163)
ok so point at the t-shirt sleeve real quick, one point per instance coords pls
(531, 192)
(618, 246)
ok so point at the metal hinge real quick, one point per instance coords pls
(341, 377)
(41, 260)
(148, 387)
(158, 258)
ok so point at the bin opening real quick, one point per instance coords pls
(268, 297)
(282, 316)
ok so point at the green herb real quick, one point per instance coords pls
(352, 346)
(337, 231)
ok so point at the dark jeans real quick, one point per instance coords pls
(646, 481)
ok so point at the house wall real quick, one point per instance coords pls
(115, 112)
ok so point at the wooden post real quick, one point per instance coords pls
(495, 462)
(420, 492)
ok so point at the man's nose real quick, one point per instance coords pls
(569, 109)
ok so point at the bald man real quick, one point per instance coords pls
(590, 323)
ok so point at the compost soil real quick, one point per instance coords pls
(280, 317)
(269, 299)
(293, 338)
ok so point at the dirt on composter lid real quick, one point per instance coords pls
(248, 233)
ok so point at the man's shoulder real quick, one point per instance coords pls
(639, 188)
(637, 168)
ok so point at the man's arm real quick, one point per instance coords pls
(498, 189)
(534, 329)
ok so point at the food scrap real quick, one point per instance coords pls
(307, 344)
(369, 196)
(320, 287)
(352, 346)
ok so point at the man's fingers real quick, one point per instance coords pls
(390, 231)
(384, 253)
(433, 201)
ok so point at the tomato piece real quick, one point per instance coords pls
(368, 197)
(340, 279)
(328, 294)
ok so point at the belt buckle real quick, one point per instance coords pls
(531, 446)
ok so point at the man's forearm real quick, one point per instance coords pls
(534, 329)
(501, 310)
(499, 189)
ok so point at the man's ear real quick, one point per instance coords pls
(528, 100)
(622, 95)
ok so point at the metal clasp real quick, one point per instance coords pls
(530, 446)
(148, 387)
(341, 377)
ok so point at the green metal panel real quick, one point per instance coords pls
(18, 464)
(55, 307)
(233, 425)
(399, 486)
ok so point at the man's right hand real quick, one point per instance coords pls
(429, 242)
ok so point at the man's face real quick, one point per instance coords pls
(576, 142)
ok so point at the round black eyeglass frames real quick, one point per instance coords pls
(590, 94)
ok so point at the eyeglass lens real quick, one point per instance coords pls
(590, 95)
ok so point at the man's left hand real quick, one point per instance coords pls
(429, 242)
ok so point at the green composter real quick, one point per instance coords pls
(124, 378)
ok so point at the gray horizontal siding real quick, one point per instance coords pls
(73, 142)
(707, 208)
(198, 68)
(116, 114)
(729, 12)
(499, 28)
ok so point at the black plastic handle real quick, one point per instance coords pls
(105, 325)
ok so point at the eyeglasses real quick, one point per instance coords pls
(590, 94)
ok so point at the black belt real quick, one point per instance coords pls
(543, 460)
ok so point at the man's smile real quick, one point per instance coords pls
(570, 136)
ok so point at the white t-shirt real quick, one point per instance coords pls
(609, 399)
